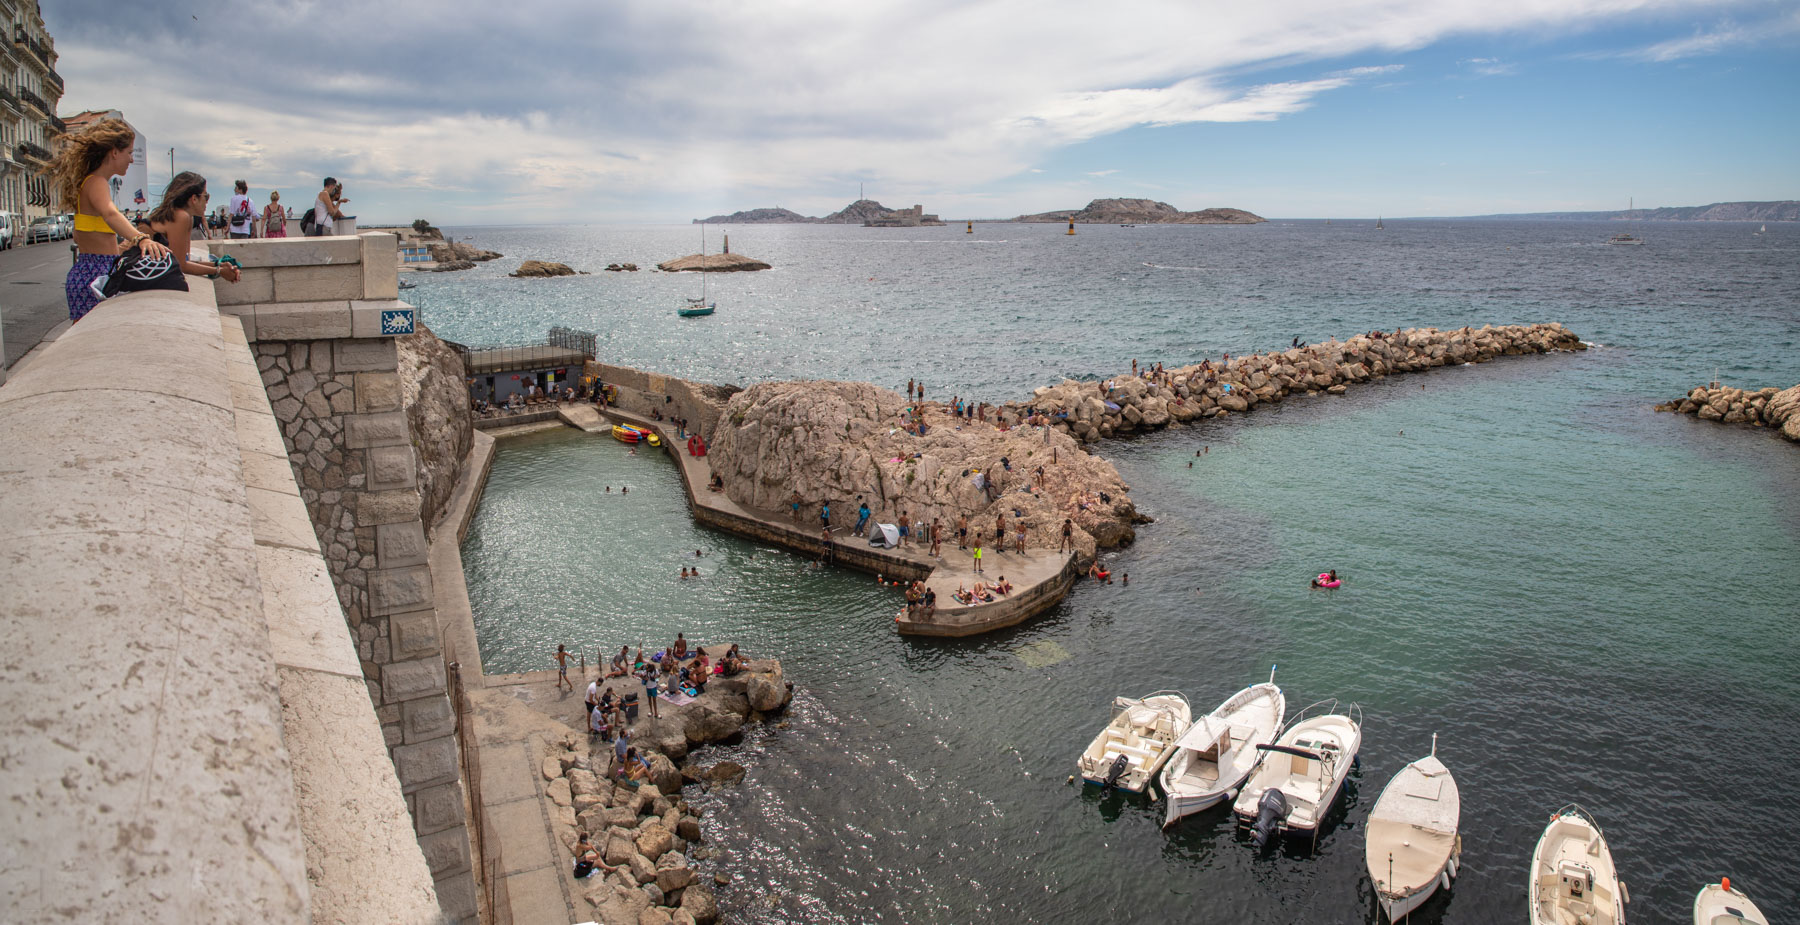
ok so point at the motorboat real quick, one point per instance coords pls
(1412, 845)
(1573, 881)
(1136, 743)
(1722, 904)
(1301, 773)
(1625, 238)
(1217, 752)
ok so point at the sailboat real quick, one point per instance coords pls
(1626, 237)
(1763, 230)
(697, 307)
(1378, 225)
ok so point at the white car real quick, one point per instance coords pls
(65, 223)
(6, 232)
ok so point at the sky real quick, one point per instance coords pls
(533, 111)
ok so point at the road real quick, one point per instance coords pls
(31, 294)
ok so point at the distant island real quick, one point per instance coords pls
(1143, 212)
(1785, 210)
(861, 212)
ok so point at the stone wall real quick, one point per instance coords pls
(645, 393)
(325, 339)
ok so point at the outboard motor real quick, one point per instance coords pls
(1270, 811)
(1119, 766)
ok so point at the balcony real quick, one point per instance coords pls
(32, 99)
(57, 124)
(8, 98)
(38, 49)
(55, 80)
(28, 151)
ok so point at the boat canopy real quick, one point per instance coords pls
(1203, 733)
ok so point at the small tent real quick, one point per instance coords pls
(887, 536)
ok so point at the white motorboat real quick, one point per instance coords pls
(1573, 881)
(1134, 745)
(1722, 904)
(1412, 845)
(1301, 774)
(1217, 752)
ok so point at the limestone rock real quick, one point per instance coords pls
(552, 768)
(541, 268)
(655, 894)
(654, 840)
(619, 851)
(654, 915)
(584, 782)
(688, 828)
(454, 252)
(681, 917)
(559, 792)
(642, 868)
(698, 902)
(664, 774)
(713, 263)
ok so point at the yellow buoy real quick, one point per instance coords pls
(1071, 226)
(971, 228)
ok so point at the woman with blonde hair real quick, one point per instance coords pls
(274, 220)
(79, 175)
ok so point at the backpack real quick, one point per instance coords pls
(244, 217)
(306, 221)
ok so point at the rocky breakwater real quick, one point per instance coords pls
(1092, 411)
(452, 255)
(836, 441)
(649, 832)
(1770, 407)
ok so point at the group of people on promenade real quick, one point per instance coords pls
(484, 401)
(155, 244)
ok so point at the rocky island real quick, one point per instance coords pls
(712, 263)
(861, 212)
(1143, 212)
(538, 268)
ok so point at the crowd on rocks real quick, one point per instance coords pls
(1767, 407)
(1154, 397)
(616, 799)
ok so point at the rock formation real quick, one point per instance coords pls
(1091, 411)
(621, 268)
(454, 252)
(649, 832)
(537, 268)
(713, 263)
(437, 411)
(775, 216)
(833, 441)
(1769, 407)
(1143, 212)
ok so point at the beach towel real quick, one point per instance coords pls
(676, 698)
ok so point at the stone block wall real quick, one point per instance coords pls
(642, 392)
(321, 331)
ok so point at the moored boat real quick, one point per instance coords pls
(1722, 904)
(1573, 880)
(1136, 742)
(1411, 842)
(629, 433)
(1301, 773)
(1217, 752)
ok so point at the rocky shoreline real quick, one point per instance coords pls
(1768, 407)
(1091, 411)
(649, 831)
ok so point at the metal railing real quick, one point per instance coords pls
(32, 99)
(495, 905)
(571, 339)
(28, 150)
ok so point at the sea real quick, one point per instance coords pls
(1585, 601)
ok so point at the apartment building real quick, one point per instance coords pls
(30, 88)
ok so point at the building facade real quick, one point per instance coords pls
(30, 89)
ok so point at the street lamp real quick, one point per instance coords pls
(171, 165)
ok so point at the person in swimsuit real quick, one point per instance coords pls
(80, 175)
(562, 668)
(621, 663)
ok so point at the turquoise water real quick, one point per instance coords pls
(1586, 600)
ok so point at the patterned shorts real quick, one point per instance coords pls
(87, 268)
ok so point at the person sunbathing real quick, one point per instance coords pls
(680, 648)
(1003, 586)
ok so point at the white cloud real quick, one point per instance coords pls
(542, 110)
(1102, 173)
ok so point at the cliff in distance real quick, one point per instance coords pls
(856, 213)
(1143, 212)
(1784, 210)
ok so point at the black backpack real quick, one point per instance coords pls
(306, 221)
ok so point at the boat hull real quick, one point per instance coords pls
(1253, 716)
(1572, 849)
(1716, 903)
(1144, 733)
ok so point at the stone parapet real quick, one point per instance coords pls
(157, 530)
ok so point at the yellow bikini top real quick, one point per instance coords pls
(86, 222)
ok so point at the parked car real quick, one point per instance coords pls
(43, 228)
(6, 233)
(66, 222)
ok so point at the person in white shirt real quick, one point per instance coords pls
(242, 213)
(325, 210)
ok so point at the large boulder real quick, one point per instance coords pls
(654, 841)
(713, 263)
(698, 902)
(541, 268)
(835, 441)
(767, 691)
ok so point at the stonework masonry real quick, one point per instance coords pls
(319, 326)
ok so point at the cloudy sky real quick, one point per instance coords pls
(660, 111)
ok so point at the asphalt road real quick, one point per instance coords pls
(31, 294)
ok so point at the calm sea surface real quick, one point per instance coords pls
(1587, 601)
